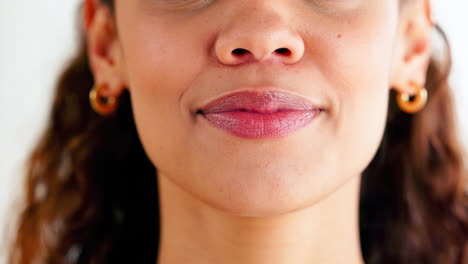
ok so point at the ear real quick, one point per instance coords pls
(104, 51)
(413, 48)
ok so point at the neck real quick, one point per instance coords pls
(193, 232)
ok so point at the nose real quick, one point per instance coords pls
(260, 35)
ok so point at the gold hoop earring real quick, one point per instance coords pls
(416, 104)
(102, 105)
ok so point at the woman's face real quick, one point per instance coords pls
(179, 55)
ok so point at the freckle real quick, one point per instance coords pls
(339, 36)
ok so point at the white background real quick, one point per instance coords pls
(36, 38)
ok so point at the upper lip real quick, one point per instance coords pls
(258, 101)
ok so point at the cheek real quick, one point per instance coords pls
(159, 74)
(352, 58)
(358, 69)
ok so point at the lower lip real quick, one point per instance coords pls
(255, 125)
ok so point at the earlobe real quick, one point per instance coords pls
(418, 101)
(414, 48)
(103, 105)
(103, 47)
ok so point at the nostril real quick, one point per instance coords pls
(239, 52)
(283, 51)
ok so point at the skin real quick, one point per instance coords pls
(292, 199)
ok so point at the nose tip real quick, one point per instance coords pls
(245, 44)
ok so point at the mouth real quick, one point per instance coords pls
(260, 114)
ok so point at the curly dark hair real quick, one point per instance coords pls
(92, 194)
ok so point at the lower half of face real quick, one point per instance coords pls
(262, 176)
(345, 66)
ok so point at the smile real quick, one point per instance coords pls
(260, 114)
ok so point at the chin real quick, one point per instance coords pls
(264, 194)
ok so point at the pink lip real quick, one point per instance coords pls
(260, 114)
